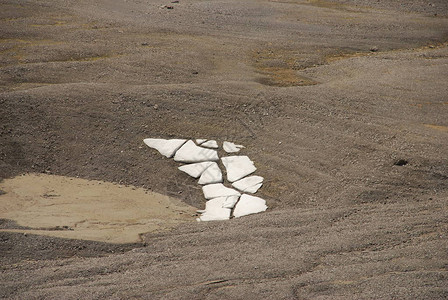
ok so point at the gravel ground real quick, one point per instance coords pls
(342, 105)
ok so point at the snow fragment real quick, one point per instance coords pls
(210, 144)
(211, 175)
(237, 167)
(215, 211)
(230, 147)
(249, 184)
(218, 190)
(165, 147)
(196, 170)
(249, 205)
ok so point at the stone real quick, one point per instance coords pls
(218, 190)
(212, 174)
(190, 153)
(249, 205)
(200, 141)
(196, 170)
(215, 211)
(210, 144)
(230, 147)
(238, 167)
(249, 184)
(165, 147)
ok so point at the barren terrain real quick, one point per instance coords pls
(342, 105)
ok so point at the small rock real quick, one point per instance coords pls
(401, 162)
(374, 49)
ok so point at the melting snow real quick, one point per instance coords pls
(211, 175)
(218, 190)
(249, 184)
(202, 164)
(195, 170)
(249, 205)
(190, 153)
(230, 147)
(215, 210)
(210, 144)
(237, 167)
(165, 147)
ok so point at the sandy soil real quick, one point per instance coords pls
(92, 210)
(341, 104)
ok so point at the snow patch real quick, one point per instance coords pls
(249, 184)
(211, 175)
(249, 205)
(215, 210)
(218, 190)
(195, 170)
(190, 153)
(238, 167)
(230, 147)
(165, 147)
(210, 144)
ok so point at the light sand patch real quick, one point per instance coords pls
(92, 210)
(437, 127)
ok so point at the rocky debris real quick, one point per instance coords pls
(400, 162)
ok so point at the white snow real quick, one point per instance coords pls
(210, 144)
(196, 170)
(200, 141)
(230, 201)
(190, 153)
(165, 147)
(218, 190)
(211, 175)
(237, 167)
(214, 210)
(249, 205)
(202, 163)
(249, 184)
(230, 147)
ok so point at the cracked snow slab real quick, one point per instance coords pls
(218, 190)
(249, 184)
(230, 201)
(165, 147)
(230, 147)
(190, 153)
(210, 144)
(200, 141)
(196, 170)
(211, 175)
(215, 210)
(237, 167)
(249, 205)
